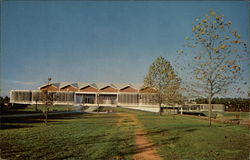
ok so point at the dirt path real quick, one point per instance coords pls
(145, 150)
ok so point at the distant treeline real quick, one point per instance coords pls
(233, 104)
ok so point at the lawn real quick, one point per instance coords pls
(187, 138)
(77, 136)
(97, 136)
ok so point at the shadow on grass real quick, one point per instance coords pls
(19, 122)
(11, 112)
(149, 146)
(102, 139)
(152, 133)
(190, 130)
(170, 140)
(5, 126)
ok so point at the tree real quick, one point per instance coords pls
(163, 79)
(36, 98)
(48, 99)
(218, 57)
(4, 101)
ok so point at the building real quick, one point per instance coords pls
(102, 94)
(203, 107)
(89, 94)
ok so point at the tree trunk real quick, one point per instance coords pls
(46, 117)
(209, 110)
(160, 109)
(160, 100)
(46, 112)
(36, 107)
(181, 109)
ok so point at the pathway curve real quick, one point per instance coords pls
(145, 150)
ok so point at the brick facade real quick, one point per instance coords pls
(49, 88)
(69, 88)
(128, 89)
(88, 89)
(108, 89)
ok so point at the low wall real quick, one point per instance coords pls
(148, 109)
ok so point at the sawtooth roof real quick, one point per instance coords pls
(96, 85)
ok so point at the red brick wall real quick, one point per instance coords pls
(69, 88)
(128, 89)
(88, 89)
(49, 88)
(109, 89)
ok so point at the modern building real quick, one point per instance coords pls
(89, 94)
(203, 107)
(101, 94)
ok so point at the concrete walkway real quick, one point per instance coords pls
(91, 109)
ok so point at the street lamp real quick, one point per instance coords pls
(67, 100)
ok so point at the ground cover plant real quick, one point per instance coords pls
(76, 136)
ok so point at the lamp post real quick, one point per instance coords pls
(67, 100)
(98, 102)
(98, 96)
(36, 99)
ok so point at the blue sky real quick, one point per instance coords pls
(97, 41)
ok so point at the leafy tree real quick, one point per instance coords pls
(219, 52)
(163, 79)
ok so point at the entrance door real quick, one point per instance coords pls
(89, 99)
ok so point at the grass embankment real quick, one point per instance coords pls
(189, 138)
(230, 115)
(78, 136)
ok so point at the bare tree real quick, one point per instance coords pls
(47, 98)
(219, 53)
(163, 79)
(36, 98)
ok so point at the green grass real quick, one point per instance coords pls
(97, 136)
(78, 136)
(188, 138)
